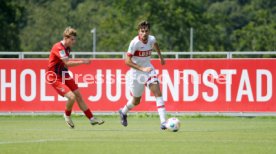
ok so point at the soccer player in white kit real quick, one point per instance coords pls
(142, 72)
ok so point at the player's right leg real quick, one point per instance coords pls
(136, 88)
(69, 105)
(130, 104)
(64, 91)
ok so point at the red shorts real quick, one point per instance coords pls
(63, 88)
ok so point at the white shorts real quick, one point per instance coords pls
(137, 80)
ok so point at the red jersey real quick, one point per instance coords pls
(58, 52)
(57, 68)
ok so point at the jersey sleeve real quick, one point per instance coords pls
(131, 49)
(59, 52)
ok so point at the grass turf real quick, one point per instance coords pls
(50, 134)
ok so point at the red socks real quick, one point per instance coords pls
(88, 114)
(68, 113)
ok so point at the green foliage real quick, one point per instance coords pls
(11, 20)
(219, 25)
(243, 25)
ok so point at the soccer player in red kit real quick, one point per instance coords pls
(59, 78)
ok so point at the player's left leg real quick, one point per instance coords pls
(86, 110)
(74, 88)
(155, 89)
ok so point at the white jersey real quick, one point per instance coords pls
(140, 52)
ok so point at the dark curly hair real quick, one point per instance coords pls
(143, 24)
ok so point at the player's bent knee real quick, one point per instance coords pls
(136, 100)
(71, 96)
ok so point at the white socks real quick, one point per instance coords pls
(161, 109)
(128, 106)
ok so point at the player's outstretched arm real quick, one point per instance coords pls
(75, 63)
(156, 47)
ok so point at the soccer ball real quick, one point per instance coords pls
(173, 124)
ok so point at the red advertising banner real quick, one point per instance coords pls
(238, 85)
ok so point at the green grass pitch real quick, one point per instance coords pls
(208, 135)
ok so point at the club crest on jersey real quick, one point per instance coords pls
(62, 53)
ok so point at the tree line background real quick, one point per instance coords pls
(219, 25)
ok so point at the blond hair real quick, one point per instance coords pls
(69, 32)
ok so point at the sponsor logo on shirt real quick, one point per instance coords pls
(62, 53)
(142, 53)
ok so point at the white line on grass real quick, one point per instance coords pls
(30, 141)
(133, 140)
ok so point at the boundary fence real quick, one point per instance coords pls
(121, 55)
